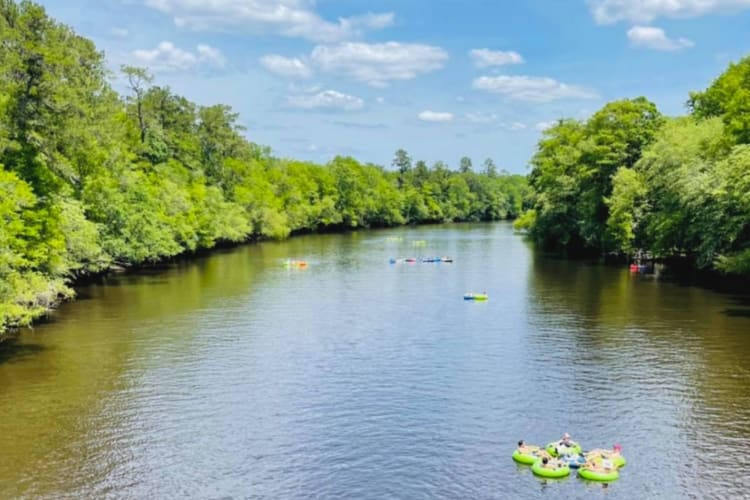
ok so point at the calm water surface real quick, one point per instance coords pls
(233, 377)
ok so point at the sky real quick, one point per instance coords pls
(442, 79)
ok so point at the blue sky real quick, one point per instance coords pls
(440, 78)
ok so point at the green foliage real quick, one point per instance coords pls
(91, 179)
(625, 206)
(630, 180)
(728, 97)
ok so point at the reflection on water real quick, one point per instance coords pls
(233, 376)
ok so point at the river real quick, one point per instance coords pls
(231, 376)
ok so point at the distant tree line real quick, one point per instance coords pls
(90, 179)
(629, 179)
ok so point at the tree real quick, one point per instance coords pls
(465, 165)
(728, 97)
(402, 162)
(490, 169)
(138, 79)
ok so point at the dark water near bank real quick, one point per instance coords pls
(233, 377)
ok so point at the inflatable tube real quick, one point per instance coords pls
(557, 471)
(572, 461)
(594, 475)
(476, 296)
(527, 458)
(617, 460)
(555, 446)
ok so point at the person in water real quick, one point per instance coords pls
(599, 465)
(527, 449)
(566, 441)
(609, 454)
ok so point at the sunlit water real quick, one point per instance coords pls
(231, 376)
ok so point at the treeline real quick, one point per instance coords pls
(90, 179)
(629, 179)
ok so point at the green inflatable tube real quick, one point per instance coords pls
(557, 472)
(593, 475)
(527, 458)
(618, 461)
(567, 450)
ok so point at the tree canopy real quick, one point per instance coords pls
(91, 179)
(630, 180)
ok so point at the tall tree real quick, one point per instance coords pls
(138, 80)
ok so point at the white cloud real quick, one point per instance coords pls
(654, 38)
(645, 11)
(531, 88)
(485, 57)
(291, 18)
(290, 67)
(167, 57)
(329, 100)
(481, 117)
(212, 56)
(378, 63)
(435, 116)
(542, 126)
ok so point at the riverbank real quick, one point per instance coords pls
(36, 312)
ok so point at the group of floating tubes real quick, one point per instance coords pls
(476, 296)
(557, 459)
(298, 264)
(413, 260)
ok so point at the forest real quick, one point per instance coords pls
(632, 181)
(92, 180)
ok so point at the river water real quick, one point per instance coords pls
(231, 376)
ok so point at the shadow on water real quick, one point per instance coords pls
(737, 313)
(12, 351)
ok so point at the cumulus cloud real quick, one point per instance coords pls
(654, 38)
(484, 58)
(289, 67)
(210, 55)
(378, 63)
(291, 18)
(531, 88)
(435, 116)
(328, 100)
(645, 11)
(167, 57)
